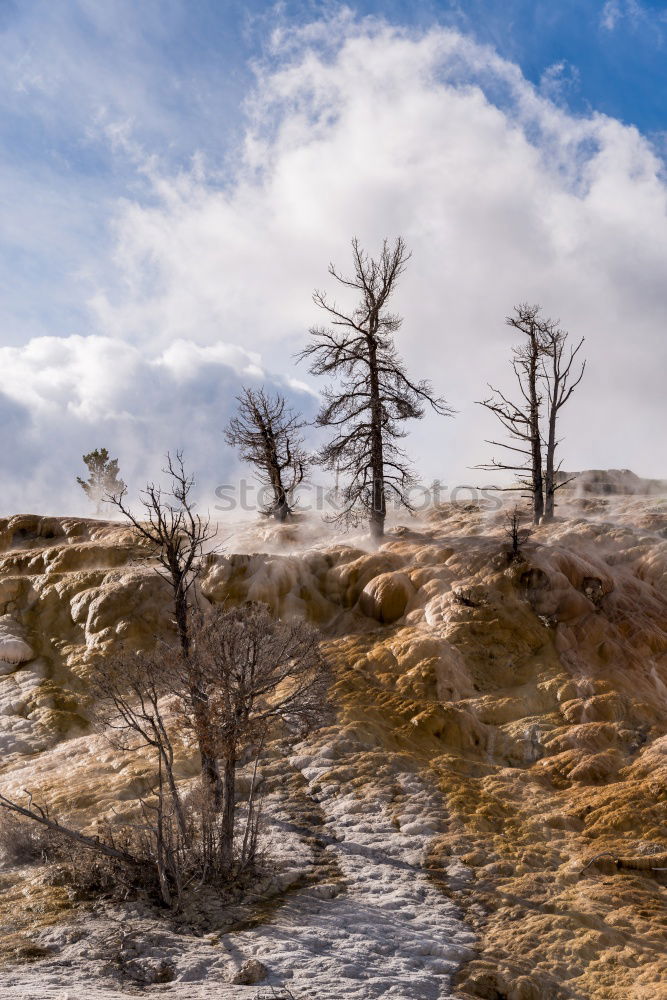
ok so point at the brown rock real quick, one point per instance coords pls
(251, 972)
(386, 597)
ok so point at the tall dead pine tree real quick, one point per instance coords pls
(522, 419)
(266, 432)
(544, 375)
(373, 395)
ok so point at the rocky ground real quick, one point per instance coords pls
(500, 725)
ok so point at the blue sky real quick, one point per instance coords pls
(124, 126)
(177, 74)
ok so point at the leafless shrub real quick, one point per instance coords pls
(260, 679)
(91, 874)
(22, 842)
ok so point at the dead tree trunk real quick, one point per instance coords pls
(228, 812)
(373, 395)
(178, 536)
(378, 510)
(522, 419)
(560, 382)
(532, 355)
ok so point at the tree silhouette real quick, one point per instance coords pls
(178, 536)
(266, 432)
(522, 419)
(544, 374)
(373, 395)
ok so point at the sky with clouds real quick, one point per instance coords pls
(177, 174)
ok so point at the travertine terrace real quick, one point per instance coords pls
(487, 817)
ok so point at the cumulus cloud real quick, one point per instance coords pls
(364, 129)
(64, 396)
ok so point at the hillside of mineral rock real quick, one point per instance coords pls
(487, 817)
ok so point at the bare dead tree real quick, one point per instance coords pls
(516, 535)
(522, 419)
(266, 432)
(545, 373)
(176, 533)
(560, 377)
(178, 536)
(262, 676)
(374, 395)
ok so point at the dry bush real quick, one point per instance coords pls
(23, 842)
(180, 863)
(91, 874)
(248, 678)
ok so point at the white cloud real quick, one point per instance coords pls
(183, 359)
(558, 80)
(75, 375)
(63, 396)
(611, 14)
(635, 13)
(501, 195)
